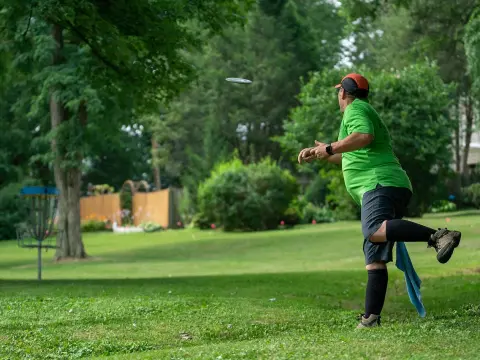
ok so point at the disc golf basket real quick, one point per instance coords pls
(36, 231)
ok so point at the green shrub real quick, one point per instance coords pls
(471, 195)
(186, 207)
(94, 225)
(276, 190)
(443, 206)
(200, 221)
(240, 197)
(338, 199)
(326, 199)
(316, 192)
(293, 215)
(126, 204)
(226, 198)
(151, 226)
(321, 214)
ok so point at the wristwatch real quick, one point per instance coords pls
(329, 149)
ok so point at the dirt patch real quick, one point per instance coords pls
(470, 271)
(4, 338)
(92, 333)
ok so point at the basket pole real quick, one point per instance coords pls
(39, 260)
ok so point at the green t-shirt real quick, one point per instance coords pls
(374, 164)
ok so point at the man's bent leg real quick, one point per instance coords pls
(403, 231)
(393, 228)
(444, 241)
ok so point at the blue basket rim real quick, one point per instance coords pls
(39, 190)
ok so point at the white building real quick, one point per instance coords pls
(474, 154)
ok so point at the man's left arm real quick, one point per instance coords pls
(352, 142)
(361, 134)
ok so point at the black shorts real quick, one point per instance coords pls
(380, 204)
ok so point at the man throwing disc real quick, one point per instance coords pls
(376, 181)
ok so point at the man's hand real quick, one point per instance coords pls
(321, 150)
(306, 155)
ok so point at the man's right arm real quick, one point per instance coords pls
(335, 159)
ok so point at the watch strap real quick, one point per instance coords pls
(329, 149)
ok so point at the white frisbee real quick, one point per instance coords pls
(239, 80)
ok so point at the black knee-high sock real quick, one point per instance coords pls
(407, 231)
(376, 291)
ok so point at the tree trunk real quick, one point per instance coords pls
(468, 135)
(156, 170)
(57, 115)
(75, 248)
(458, 158)
(68, 181)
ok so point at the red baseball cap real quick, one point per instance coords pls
(355, 84)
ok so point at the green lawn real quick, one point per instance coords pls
(290, 294)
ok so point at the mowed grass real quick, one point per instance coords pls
(290, 294)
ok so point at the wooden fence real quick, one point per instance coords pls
(160, 207)
(101, 206)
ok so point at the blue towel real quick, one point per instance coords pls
(404, 263)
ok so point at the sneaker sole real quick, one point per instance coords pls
(446, 253)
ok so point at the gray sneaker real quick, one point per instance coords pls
(371, 321)
(444, 241)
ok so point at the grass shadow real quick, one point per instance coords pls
(331, 289)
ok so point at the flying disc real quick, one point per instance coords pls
(239, 80)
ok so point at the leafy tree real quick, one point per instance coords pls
(119, 155)
(14, 143)
(20, 143)
(413, 103)
(12, 210)
(472, 46)
(281, 43)
(395, 33)
(93, 63)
